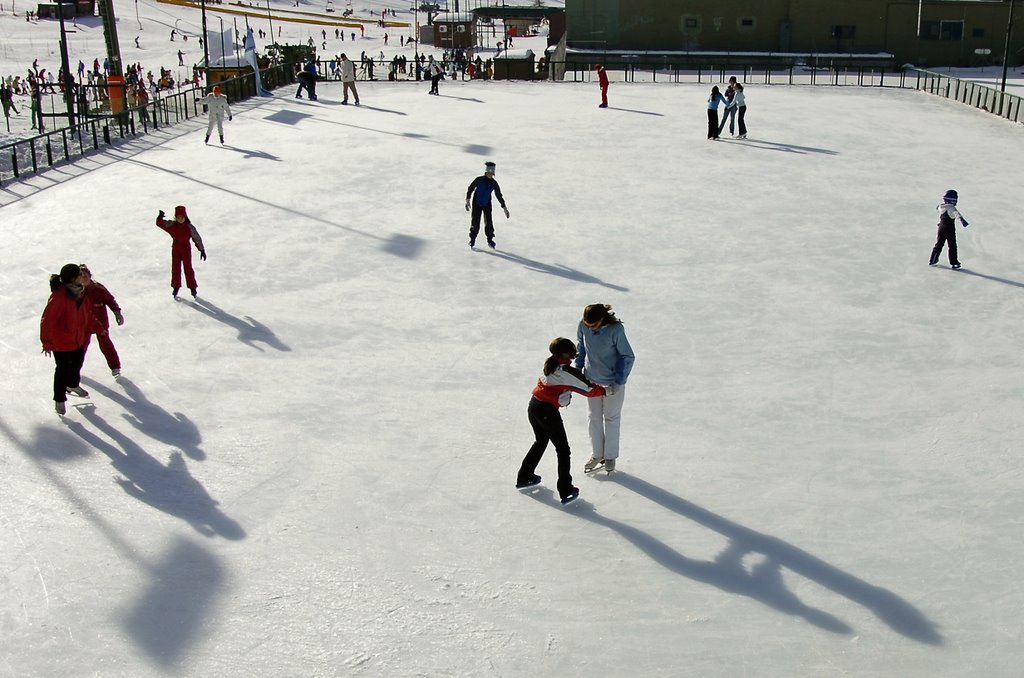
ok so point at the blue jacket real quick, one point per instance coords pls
(604, 354)
(713, 101)
(481, 189)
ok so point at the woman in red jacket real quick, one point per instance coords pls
(554, 389)
(182, 232)
(100, 299)
(64, 332)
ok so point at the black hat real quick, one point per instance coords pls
(69, 273)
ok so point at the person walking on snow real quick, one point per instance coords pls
(217, 105)
(554, 390)
(948, 214)
(606, 358)
(348, 79)
(64, 331)
(100, 299)
(602, 79)
(478, 199)
(182, 233)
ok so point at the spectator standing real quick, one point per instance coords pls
(348, 79)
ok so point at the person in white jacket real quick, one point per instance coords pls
(948, 214)
(217, 107)
(348, 79)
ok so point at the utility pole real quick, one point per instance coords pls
(69, 97)
(1006, 48)
(110, 36)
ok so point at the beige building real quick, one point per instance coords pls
(922, 32)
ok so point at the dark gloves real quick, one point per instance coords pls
(230, 118)
(202, 255)
(160, 215)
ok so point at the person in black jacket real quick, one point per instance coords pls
(478, 200)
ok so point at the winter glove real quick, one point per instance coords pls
(964, 222)
(202, 255)
(564, 398)
(230, 118)
(119, 318)
(160, 215)
(506, 212)
(612, 389)
(467, 204)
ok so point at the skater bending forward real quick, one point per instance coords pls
(948, 214)
(554, 389)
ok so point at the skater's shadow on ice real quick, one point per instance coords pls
(752, 563)
(633, 110)
(151, 419)
(964, 271)
(470, 99)
(555, 269)
(785, 148)
(249, 330)
(170, 488)
(246, 153)
(288, 117)
(405, 246)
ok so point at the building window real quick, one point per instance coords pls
(746, 23)
(691, 23)
(460, 29)
(978, 33)
(942, 30)
(441, 28)
(844, 32)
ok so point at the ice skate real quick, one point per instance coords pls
(532, 481)
(78, 391)
(570, 496)
(593, 464)
(60, 407)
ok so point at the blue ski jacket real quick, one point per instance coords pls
(604, 354)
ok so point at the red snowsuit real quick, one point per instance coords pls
(181, 253)
(64, 332)
(99, 298)
(602, 78)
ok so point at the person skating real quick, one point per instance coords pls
(729, 116)
(434, 72)
(739, 104)
(100, 299)
(606, 358)
(554, 390)
(64, 331)
(183, 233)
(307, 80)
(602, 79)
(713, 101)
(948, 214)
(217, 105)
(348, 79)
(478, 199)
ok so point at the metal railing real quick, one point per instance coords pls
(99, 127)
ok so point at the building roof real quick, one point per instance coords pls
(512, 12)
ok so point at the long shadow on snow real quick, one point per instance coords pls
(764, 581)
(151, 419)
(554, 269)
(633, 110)
(249, 331)
(773, 146)
(169, 488)
(965, 271)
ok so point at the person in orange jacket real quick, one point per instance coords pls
(100, 299)
(182, 231)
(64, 331)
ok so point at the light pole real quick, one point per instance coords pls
(206, 47)
(65, 66)
(416, 41)
(1006, 48)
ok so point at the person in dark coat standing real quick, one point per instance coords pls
(478, 199)
(948, 214)
(64, 331)
(554, 390)
(183, 234)
(100, 299)
(602, 79)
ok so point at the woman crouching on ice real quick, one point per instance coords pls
(554, 390)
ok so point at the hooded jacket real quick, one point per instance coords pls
(66, 323)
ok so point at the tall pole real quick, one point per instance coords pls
(1006, 48)
(416, 42)
(65, 67)
(206, 46)
(270, 18)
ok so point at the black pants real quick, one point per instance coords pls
(743, 125)
(474, 227)
(433, 84)
(712, 123)
(68, 373)
(547, 427)
(947, 234)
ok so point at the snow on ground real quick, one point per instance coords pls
(309, 471)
